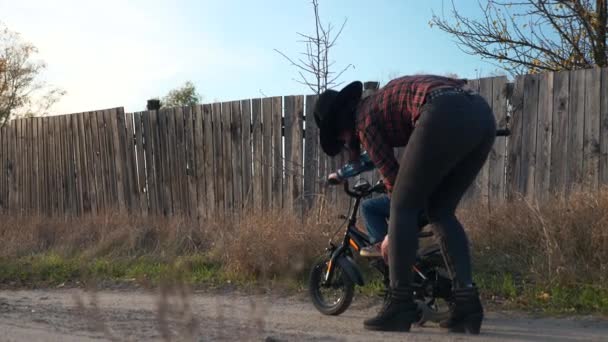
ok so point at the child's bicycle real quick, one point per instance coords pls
(333, 278)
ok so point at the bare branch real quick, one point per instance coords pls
(538, 35)
(314, 61)
(292, 62)
(340, 73)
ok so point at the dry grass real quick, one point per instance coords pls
(270, 244)
(563, 242)
(257, 245)
(107, 235)
(558, 242)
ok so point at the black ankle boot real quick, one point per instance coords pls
(466, 312)
(397, 314)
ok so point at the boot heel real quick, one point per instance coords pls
(394, 325)
(470, 325)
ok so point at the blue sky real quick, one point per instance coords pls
(120, 53)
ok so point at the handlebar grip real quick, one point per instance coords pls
(333, 181)
(503, 132)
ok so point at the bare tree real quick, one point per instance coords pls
(314, 66)
(529, 36)
(21, 91)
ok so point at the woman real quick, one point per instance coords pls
(448, 133)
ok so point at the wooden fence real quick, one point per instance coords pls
(219, 158)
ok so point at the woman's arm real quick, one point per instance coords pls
(352, 169)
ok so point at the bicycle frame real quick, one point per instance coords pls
(353, 239)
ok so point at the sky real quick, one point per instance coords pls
(119, 53)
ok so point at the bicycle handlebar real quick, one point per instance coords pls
(348, 191)
(379, 187)
(503, 132)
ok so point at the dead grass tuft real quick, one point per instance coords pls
(558, 241)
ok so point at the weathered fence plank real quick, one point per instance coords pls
(266, 161)
(191, 187)
(130, 149)
(12, 166)
(604, 128)
(108, 154)
(514, 161)
(18, 166)
(44, 166)
(140, 164)
(210, 170)
(246, 148)
(559, 132)
(198, 160)
(227, 157)
(278, 158)
(591, 140)
(258, 156)
(218, 159)
(117, 129)
(289, 168)
(74, 161)
(542, 176)
(105, 157)
(99, 151)
(236, 154)
(27, 171)
(61, 166)
(576, 131)
(72, 184)
(83, 168)
(529, 129)
(90, 197)
(498, 154)
(164, 148)
(30, 171)
(39, 166)
(483, 179)
(153, 175)
(179, 162)
(311, 154)
(3, 171)
(473, 193)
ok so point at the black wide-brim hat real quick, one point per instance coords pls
(331, 107)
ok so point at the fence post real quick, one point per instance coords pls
(153, 104)
(369, 88)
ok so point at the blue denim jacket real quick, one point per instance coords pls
(352, 169)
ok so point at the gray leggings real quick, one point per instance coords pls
(447, 149)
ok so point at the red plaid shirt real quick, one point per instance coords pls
(386, 118)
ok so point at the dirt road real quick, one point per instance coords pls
(73, 315)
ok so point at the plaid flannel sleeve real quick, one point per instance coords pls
(381, 154)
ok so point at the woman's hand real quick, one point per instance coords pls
(384, 249)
